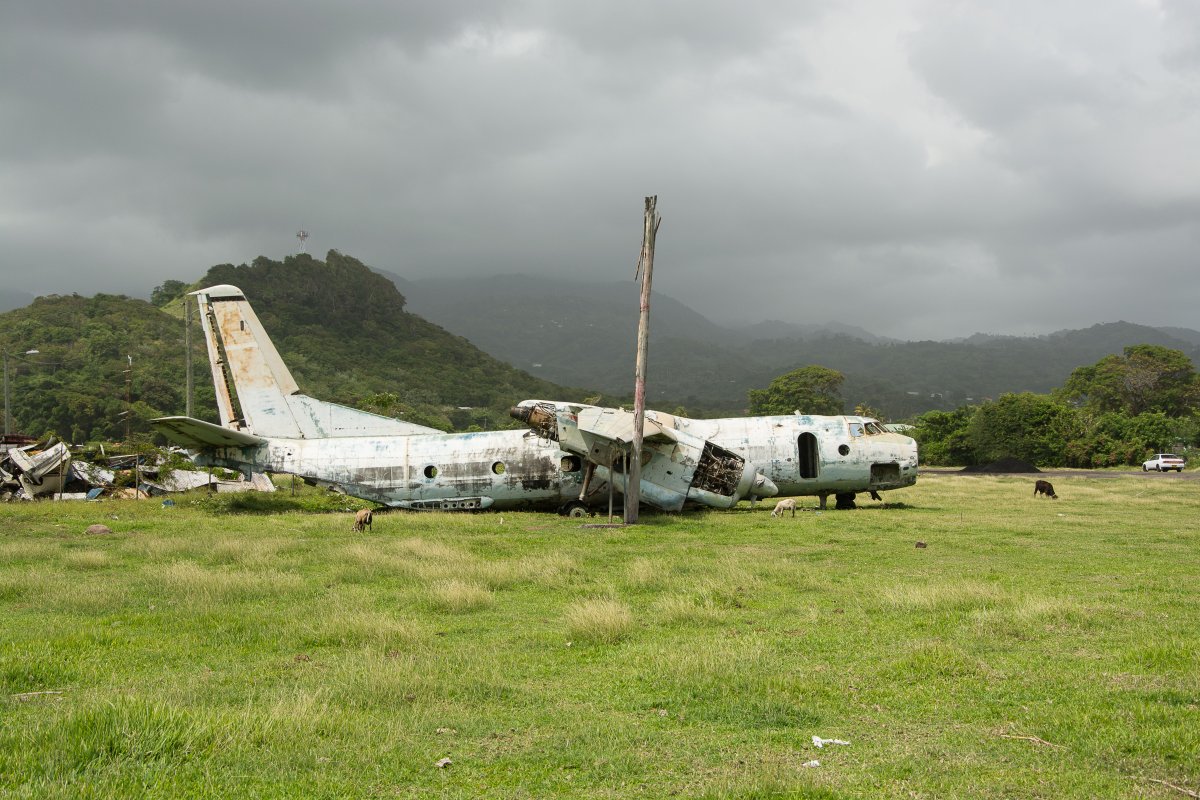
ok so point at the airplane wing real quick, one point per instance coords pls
(197, 433)
(616, 425)
(676, 466)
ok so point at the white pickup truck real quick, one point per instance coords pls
(1163, 462)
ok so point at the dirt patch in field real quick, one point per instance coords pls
(1004, 465)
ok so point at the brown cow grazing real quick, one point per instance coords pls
(362, 520)
(784, 505)
(1044, 487)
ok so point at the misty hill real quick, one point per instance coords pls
(776, 329)
(14, 298)
(585, 334)
(1183, 334)
(341, 328)
(345, 334)
(903, 378)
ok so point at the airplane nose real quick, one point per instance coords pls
(763, 486)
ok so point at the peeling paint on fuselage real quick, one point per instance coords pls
(771, 444)
(513, 468)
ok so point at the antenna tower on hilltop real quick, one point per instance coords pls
(302, 235)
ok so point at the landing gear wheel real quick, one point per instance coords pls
(845, 501)
(576, 510)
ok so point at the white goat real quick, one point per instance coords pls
(784, 505)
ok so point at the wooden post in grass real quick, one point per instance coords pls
(187, 350)
(645, 269)
(610, 485)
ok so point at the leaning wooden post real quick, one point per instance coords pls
(645, 269)
(187, 349)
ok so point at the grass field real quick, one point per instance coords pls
(1033, 648)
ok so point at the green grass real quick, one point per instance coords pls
(1034, 648)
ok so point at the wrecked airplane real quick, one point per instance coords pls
(566, 459)
(33, 471)
(718, 462)
(268, 426)
(29, 472)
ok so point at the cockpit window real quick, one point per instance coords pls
(856, 429)
(874, 429)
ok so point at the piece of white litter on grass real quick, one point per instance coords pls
(819, 742)
(445, 762)
(813, 763)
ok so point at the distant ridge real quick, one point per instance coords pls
(583, 334)
(350, 335)
(776, 329)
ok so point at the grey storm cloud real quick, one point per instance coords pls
(922, 168)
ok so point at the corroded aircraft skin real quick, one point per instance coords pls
(268, 426)
(720, 461)
(568, 457)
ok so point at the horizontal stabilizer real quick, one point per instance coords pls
(197, 433)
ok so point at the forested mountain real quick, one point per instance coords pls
(585, 334)
(75, 384)
(341, 328)
(348, 335)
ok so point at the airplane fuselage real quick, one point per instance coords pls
(516, 469)
(462, 471)
(807, 455)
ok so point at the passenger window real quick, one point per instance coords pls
(856, 429)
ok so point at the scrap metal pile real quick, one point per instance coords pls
(30, 470)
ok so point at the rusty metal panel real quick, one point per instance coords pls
(216, 363)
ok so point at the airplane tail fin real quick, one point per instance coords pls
(256, 393)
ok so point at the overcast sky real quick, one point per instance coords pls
(924, 169)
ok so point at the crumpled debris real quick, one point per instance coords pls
(819, 742)
(813, 763)
(443, 763)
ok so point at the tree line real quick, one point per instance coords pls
(1114, 412)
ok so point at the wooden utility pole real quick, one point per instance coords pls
(187, 350)
(645, 270)
(128, 397)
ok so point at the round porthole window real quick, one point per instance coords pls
(498, 468)
(431, 471)
(844, 449)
